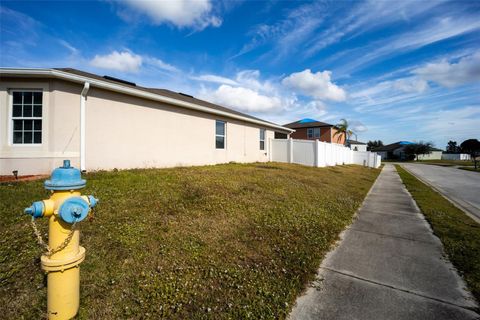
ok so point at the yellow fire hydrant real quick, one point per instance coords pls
(65, 209)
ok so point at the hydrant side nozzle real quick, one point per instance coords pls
(92, 201)
(36, 210)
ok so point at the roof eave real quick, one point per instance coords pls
(53, 73)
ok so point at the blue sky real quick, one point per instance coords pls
(397, 70)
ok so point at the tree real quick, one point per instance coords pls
(452, 147)
(343, 129)
(472, 147)
(371, 145)
(419, 148)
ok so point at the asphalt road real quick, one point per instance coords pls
(460, 186)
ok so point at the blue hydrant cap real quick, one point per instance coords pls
(36, 209)
(65, 178)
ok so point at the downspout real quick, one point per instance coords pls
(83, 99)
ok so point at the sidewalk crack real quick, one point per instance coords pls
(393, 236)
(402, 290)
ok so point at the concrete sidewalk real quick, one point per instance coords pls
(389, 265)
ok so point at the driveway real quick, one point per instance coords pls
(460, 186)
(388, 266)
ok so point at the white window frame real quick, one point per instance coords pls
(262, 140)
(219, 135)
(310, 133)
(11, 118)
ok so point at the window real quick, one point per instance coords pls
(313, 133)
(262, 139)
(27, 117)
(219, 134)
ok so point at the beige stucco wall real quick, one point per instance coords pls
(121, 132)
(60, 131)
(129, 132)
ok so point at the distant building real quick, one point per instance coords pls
(310, 129)
(357, 145)
(396, 151)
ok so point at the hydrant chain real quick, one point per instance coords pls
(38, 235)
(62, 246)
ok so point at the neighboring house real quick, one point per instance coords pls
(357, 145)
(309, 129)
(47, 115)
(396, 151)
(392, 151)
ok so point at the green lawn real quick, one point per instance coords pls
(447, 163)
(217, 242)
(470, 169)
(459, 233)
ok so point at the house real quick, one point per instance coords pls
(310, 129)
(397, 151)
(47, 115)
(357, 145)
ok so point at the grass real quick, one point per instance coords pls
(459, 233)
(470, 169)
(447, 163)
(215, 242)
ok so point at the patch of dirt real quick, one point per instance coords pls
(11, 178)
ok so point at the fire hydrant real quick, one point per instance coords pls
(65, 208)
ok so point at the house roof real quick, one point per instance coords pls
(397, 145)
(157, 94)
(307, 123)
(356, 142)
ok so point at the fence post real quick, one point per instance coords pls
(316, 153)
(290, 150)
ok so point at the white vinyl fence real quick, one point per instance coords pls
(455, 156)
(319, 154)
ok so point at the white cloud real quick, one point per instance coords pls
(317, 107)
(159, 64)
(247, 92)
(432, 31)
(366, 16)
(411, 85)
(251, 79)
(317, 85)
(128, 61)
(358, 126)
(181, 13)
(215, 79)
(67, 45)
(451, 75)
(286, 34)
(120, 61)
(243, 99)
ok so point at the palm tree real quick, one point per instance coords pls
(343, 129)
